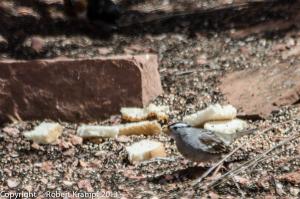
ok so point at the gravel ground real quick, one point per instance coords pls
(194, 52)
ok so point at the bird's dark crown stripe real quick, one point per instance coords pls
(179, 125)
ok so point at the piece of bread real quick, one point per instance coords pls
(145, 150)
(97, 131)
(140, 128)
(165, 129)
(152, 112)
(227, 130)
(211, 113)
(45, 133)
(159, 113)
(137, 128)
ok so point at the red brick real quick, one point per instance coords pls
(77, 90)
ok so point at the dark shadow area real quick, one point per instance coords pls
(134, 23)
(189, 173)
(42, 7)
(297, 102)
(253, 117)
(214, 19)
(129, 3)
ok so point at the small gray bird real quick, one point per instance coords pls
(199, 145)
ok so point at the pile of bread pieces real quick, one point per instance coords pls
(147, 121)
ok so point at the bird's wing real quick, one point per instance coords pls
(211, 143)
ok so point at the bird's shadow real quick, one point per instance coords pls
(181, 175)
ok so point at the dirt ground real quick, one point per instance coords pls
(197, 43)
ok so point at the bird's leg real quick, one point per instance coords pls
(205, 174)
(217, 170)
(214, 167)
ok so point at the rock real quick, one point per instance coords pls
(293, 177)
(13, 132)
(134, 48)
(26, 12)
(36, 146)
(69, 152)
(123, 139)
(85, 185)
(36, 43)
(3, 42)
(213, 195)
(77, 90)
(67, 183)
(76, 140)
(51, 186)
(83, 164)
(294, 51)
(105, 50)
(258, 92)
(261, 28)
(279, 47)
(63, 144)
(47, 166)
(12, 182)
(201, 60)
(294, 191)
(44, 181)
(28, 187)
(279, 188)
(45, 133)
(269, 197)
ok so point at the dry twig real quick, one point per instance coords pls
(197, 181)
(249, 163)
